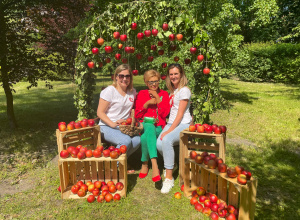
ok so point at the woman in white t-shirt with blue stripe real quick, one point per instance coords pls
(115, 104)
(180, 119)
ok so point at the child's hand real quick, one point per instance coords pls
(152, 101)
(153, 94)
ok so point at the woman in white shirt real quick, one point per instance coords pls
(180, 119)
(115, 104)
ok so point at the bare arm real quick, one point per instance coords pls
(182, 107)
(102, 107)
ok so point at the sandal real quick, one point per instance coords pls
(130, 171)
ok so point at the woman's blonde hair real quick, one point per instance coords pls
(119, 69)
(183, 80)
(151, 73)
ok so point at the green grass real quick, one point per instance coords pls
(263, 136)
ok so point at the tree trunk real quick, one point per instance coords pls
(4, 70)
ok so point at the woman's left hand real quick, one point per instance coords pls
(164, 134)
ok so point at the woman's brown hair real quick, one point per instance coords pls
(119, 69)
(183, 80)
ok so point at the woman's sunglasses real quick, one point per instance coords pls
(121, 76)
(153, 82)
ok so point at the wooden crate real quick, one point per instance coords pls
(212, 143)
(89, 137)
(227, 189)
(71, 170)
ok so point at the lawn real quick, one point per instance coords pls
(263, 136)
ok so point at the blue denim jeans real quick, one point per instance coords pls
(116, 137)
(166, 146)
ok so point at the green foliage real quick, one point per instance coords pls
(148, 15)
(268, 62)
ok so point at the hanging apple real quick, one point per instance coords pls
(116, 35)
(132, 49)
(187, 61)
(120, 46)
(164, 65)
(133, 26)
(172, 47)
(154, 32)
(160, 43)
(118, 56)
(107, 60)
(139, 56)
(108, 49)
(161, 52)
(112, 77)
(193, 50)
(123, 37)
(147, 33)
(153, 47)
(135, 72)
(127, 49)
(100, 64)
(179, 37)
(200, 57)
(206, 71)
(165, 26)
(176, 59)
(140, 36)
(95, 50)
(91, 65)
(172, 37)
(150, 58)
(100, 41)
(163, 76)
(124, 60)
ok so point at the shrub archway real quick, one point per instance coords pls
(149, 15)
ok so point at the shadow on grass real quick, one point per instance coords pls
(277, 171)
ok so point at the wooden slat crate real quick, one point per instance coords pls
(227, 189)
(89, 137)
(212, 143)
(71, 170)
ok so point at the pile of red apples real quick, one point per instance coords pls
(98, 190)
(206, 128)
(82, 152)
(62, 126)
(214, 162)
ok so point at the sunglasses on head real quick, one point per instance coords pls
(175, 65)
(121, 76)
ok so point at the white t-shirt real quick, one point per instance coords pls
(183, 93)
(119, 106)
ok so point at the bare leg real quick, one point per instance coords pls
(144, 168)
(169, 174)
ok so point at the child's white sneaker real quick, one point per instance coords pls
(167, 185)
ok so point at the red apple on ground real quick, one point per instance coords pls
(194, 194)
(120, 186)
(154, 32)
(201, 191)
(112, 189)
(198, 207)
(116, 35)
(97, 184)
(96, 192)
(200, 57)
(202, 198)
(90, 198)
(74, 189)
(81, 193)
(79, 183)
(104, 187)
(242, 179)
(214, 216)
(213, 198)
(105, 192)
(133, 26)
(230, 217)
(207, 203)
(84, 187)
(230, 209)
(100, 41)
(177, 195)
(206, 71)
(88, 183)
(182, 188)
(193, 201)
(206, 211)
(64, 154)
(214, 207)
(91, 187)
(108, 197)
(123, 38)
(222, 205)
(117, 197)
(193, 154)
(100, 198)
(231, 172)
(95, 50)
(222, 167)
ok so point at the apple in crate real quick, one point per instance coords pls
(70, 127)
(199, 159)
(200, 129)
(83, 149)
(77, 125)
(242, 179)
(100, 198)
(89, 153)
(62, 127)
(248, 174)
(75, 189)
(231, 172)
(206, 159)
(123, 149)
(239, 169)
(118, 151)
(81, 192)
(199, 207)
(106, 153)
(117, 197)
(219, 160)
(90, 198)
(222, 212)
(70, 148)
(218, 130)
(97, 153)
(112, 189)
(208, 129)
(119, 186)
(91, 122)
(193, 154)
(100, 148)
(222, 167)
(78, 147)
(192, 128)
(64, 154)
(74, 153)
(204, 154)
(223, 128)
(212, 164)
(111, 148)
(177, 195)
(81, 155)
(114, 155)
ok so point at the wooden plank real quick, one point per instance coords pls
(97, 136)
(233, 195)
(61, 178)
(222, 188)
(244, 206)
(114, 171)
(252, 197)
(222, 149)
(107, 171)
(77, 137)
(85, 143)
(198, 176)
(94, 171)
(212, 188)
(183, 153)
(205, 146)
(66, 174)
(79, 171)
(87, 171)
(72, 170)
(186, 179)
(193, 175)
(204, 178)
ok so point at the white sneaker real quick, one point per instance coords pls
(167, 185)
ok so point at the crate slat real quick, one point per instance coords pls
(233, 195)
(222, 188)
(212, 183)
(107, 170)
(100, 171)
(94, 175)
(114, 171)
(204, 178)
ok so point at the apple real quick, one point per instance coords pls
(118, 56)
(214, 126)
(231, 216)
(124, 60)
(70, 127)
(112, 189)
(192, 128)
(230, 209)
(100, 64)
(114, 155)
(84, 124)
(79, 183)
(111, 148)
(123, 149)
(88, 183)
(106, 153)
(204, 154)
(139, 56)
(205, 125)
(206, 71)
(90, 198)
(83, 149)
(247, 173)
(118, 151)
(120, 46)
(176, 58)
(193, 50)
(172, 37)
(127, 49)
(70, 148)
(96, 192)
(59, 189)
(207, 203)
(208, 129)
(91, 187)
(91, 65)
(201, 191)
(163, 76)
(214, 216)
(164, 65)
(193, 201)
(81, 155)
(89, 153)
(242, 179)
(105, 192)
(199, 159)
(218, 130)
(81, 192)
(120, 186)
(182, 188)
(100, 198)
(222, 167)
(100, 41)
(91, 122)
(117, 197)
(123, 38)
(223, 128)
(107, 60)
(222, 205)
(197, 125)
(75, 189)
(110, 183)
(160, 43)
(62, 127)
(78, 147)
(77, 125)
(194, 194)
(198, 207)
(187, 61)
(97, 184)
(213, 198)
(108, 197)
(95, 50)
(172, 48)
(200, 57)
(133, 26)
(202, 198)
(116, 35)
(153, 47)
(108, 49)
(104, 187)
(177, 195)
(193, 154)
(179, 37)
(231, 172)
(100, 148)
(161, 52)
(200, 129)
(236, 213)
(165, 26)
(154, 32)
(213, 156)
(64, 154)
(239, 169)
(147, 33)
(206, 211)
(132, 49)
(206, 159)
(150, 58)
(140, 36)
(214, 207)
(212, 164)
(84, 187)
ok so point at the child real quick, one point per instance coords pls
(152, 108)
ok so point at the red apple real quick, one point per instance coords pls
(81, 193)
(114, 155)
(140, 36)
(165, 26)
(104, 187)
(206, 71)
(164, 65)
(182, 188)
(163, 76)
(194, 194)
(193, 50)
(172, 37)
(108, 197)
(206, 159)
(79, 183)
(124, 60)
(223, 128)
(173, 48)
(123, 38)
(118, 56)
(91, 187)
(105, 192)
(117, 197)
(179, 37)
(64, 154)
(100, 198)
(84, 187)
(75, 189)
(120, 186)
(106, 153)
(110, 183)
(111, 148)
(213, 156)
(204, 154)
(112, 189)
(123, 149)
(242, 179)
(132, 49)
(231, 216)
(100, 148)
(187, 61)
(83, 149)
(153, 47)
(81, 155)
(120, 46)
(212, 164)
(95, 50)
(133, 26)
(160, 43)
(78, 147)
(108, 49)
(91, 122)
(118, 151)
(77, 125)
(214, 216)
(62, 127)
(200, 57)
(176, 59)
(214, 207)
(154, 32)
(247, 173)
(59, 189)
(127, 49)
(150, 58)
(139, 56)
(100, 41)
(116, 35)
(199, 159)
(193, 201)
(90, 198)
(161, 52)
(147, 33)
(208, 129)
(107, 60)
(192, 128)
(202, 198)
(207, 203)
(230, 209)
(89, 153)
(96, 192)
(206, 211)
(201, 191)
(239, 169)
(231, 172)
(218, 130)
(84, 124)
(222, 167)
(70, 149)
(97, 184)
(222, 205)
(213, 198)
(193, 154)
(198, 207)
(197, 125)
(177, 195)
(200, 129)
